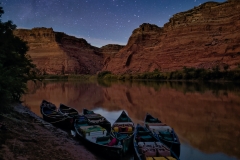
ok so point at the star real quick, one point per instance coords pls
(110, 19)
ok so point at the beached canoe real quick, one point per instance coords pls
(123, 130)
(97, 138)
(70, 112)
(51, 114)
(66, 110)
(148, 147)
(47, 104)
(163, 132)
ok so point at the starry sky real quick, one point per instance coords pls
(100, 22)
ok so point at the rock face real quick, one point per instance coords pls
(203, 37)
(58, 53)
(109, 51)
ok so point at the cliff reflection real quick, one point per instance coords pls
(206, 116)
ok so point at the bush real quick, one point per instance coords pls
(185, 74)
(103, 74)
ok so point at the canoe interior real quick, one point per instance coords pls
(97, 119)
(164, 133)
(97, 137)
(123, 130)
(147, 146)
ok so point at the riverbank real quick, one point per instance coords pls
(186, 74)
(25, 136)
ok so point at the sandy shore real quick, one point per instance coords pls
(28, 137)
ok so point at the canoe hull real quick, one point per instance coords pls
(66, 110)
(123, 130)
(70, 112)
(50, 114)
(110, 151)
(174, 146)
(50, 105)
(61, 122)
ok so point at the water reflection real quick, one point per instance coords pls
(204, 115)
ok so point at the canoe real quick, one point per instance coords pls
(123, 130)
(51, 114)
(68, 111)
(148, 147)
(163, 132)
(48, 104)
(97, 138)
(96, 119)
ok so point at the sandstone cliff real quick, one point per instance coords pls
(109, 51)
(203, 37)
(58, 53)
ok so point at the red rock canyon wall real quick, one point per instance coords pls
(203, 37)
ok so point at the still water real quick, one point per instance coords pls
(206, 117)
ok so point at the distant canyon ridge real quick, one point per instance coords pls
(203, 37)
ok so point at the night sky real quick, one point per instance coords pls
(100, 22)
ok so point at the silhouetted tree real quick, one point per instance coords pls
(16, 67)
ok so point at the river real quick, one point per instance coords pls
(205, 116)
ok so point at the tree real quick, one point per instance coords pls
(16, 67)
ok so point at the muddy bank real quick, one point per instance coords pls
(27, 137)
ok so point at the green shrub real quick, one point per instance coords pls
(103, 74)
